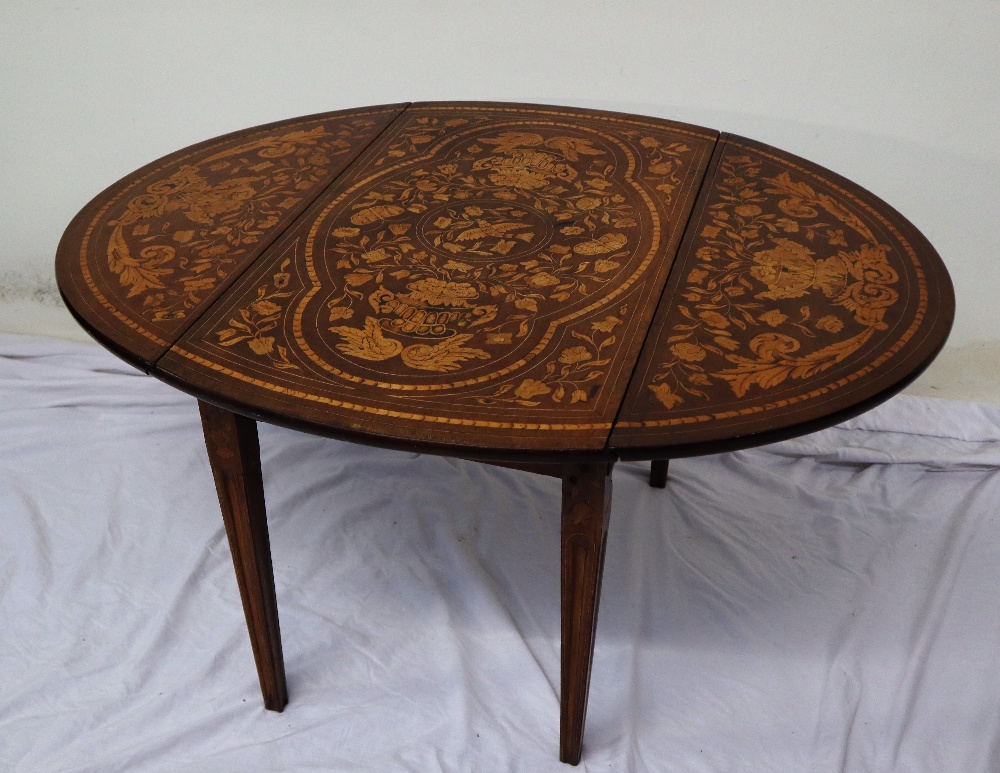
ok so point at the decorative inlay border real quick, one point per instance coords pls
(370, 409)
(917, 321)
(655, 234)
(539, 172)
(187, 190)
(439, 282)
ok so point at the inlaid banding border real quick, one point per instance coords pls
(919, 313)
(208, 148)
(371, 409)
(654, 236)
(684, 425)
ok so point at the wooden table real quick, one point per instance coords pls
(544, 288)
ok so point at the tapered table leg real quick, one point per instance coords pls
(234, 453)
(658, 473)
(586, 508)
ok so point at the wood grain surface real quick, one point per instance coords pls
(798, 299)
(543, 288)
(234, 453)
(480, 269)
(149, 254)
(586, 513)
(510, 282)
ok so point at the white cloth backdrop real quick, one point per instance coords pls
(825, 604)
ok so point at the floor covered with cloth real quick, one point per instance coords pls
(822, 605)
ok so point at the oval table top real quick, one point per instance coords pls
(509, 282)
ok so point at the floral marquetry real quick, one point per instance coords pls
(509, 281)
(541, 288)
(792, 290)
(486, 266)
(152, 254)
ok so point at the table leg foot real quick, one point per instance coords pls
(586, 507)
(234, 453)
(658, 473)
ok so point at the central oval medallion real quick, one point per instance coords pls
(485, 230)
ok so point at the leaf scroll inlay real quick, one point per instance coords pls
(172, 244)
(787, 282)
(452, 262)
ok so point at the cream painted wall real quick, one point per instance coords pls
(902, 97)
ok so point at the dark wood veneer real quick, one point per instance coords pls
(234, 454)
(541, 288)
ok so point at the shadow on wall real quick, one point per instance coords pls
(30, 304)
(27, 286)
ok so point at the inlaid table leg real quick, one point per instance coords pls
(234, 453)
(658, 473)
(586, 508)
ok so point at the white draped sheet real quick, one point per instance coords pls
(827, 604)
